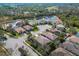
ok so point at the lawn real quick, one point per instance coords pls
(77, 29)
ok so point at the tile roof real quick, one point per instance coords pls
(58, 21)
(74, 39)
(27, 27)
(49, 35)
(42, 40)
(19, 30)
(71, 47)
(61, 52)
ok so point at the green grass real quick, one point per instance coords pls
(29, 42)
(10, 34)
(77, 29)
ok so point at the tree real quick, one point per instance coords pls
(35, 28)
(1, 31)
(61, 37)
(52, 45)
(23, 52)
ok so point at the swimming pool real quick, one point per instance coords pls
(52, 18)
(77, 34)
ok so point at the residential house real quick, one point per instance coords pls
(15, 23)
(71, 47)
(55, 31)
(49, 35)
(60, 27)
(42, 40)
(28, 27)
(73, 39)
(31, 22)
(58, 21)
(40, 44)
(19, 30)
(61, 52)
(55, 20)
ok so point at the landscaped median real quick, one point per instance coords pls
(12, 35)
(32, 48)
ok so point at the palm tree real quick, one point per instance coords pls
(61, 37)
(23, 52)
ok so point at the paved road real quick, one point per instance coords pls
(14, 44)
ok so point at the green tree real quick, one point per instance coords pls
(35, 28)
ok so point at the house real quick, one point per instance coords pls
(42, 40)
(31, 22)
(40, 43)
(60, 27)
(53, 19)
(36, 21)
(20, 22)
(15, 23)
(19, 30)
(73, 39)
(47, 19)
(55, 31)
(56, 20)
(27, 27)
(49, 35)
(73, 48)
(61, 52)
